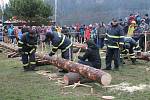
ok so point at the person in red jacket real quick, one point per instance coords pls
(87, 33)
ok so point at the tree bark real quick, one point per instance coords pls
(71, 78)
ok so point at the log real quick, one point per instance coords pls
(79, 45)
(42, 62)
(86, 71)
(71, 78)
(143, 56)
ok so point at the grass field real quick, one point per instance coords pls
(18, 85)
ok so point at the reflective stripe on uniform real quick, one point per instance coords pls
(30, 45)
(52, 51)
(26, 53)
(19, 47)
(54, 47)
(25, 64)
(121, 42)
(32, 62)
(67, 48)
(60, 43)
(32, 50)
(20, 42)
(116, 37)
(112, 46)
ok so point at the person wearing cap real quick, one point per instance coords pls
(131, 29)
(92, 56)
(59, 41)
(27, 48)
(115, 41)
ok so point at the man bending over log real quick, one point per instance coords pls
(60, 41)
(92, 55)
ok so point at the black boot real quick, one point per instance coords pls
(26, 68)
(32, 67)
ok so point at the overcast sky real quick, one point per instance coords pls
(5, 1)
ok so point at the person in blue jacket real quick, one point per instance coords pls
(27, 48)
(115, 41)
(60, 41)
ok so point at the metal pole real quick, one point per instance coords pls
(55, 11)
(2, 18)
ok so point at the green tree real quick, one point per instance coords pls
(29, 10)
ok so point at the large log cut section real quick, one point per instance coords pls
(84, 70)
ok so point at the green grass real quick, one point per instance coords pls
(18, 85)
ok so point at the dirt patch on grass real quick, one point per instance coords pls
(128, 87)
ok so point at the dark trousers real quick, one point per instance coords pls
(85, 63)
(142, 42)
(110, 54)
(100, 42)
(68, 54)
(28, 58)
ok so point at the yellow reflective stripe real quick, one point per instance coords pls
(33, 62)
(62, 41)
(25, 64)
(30, 45)
(116, 37)
(19, 47)
(54, 47)
(26, 53)
(122, 36)
(52, 51)
(20, 42)
(67, 47)
(112, 46)
(132, 54)
(121, 42)
(133, 57)
(32, 50)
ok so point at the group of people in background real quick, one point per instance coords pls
(119, 36)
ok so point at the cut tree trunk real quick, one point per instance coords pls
(71, 78)
(86, 71)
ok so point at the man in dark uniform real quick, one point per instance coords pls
(27, 48)
(60, 41)
(115, 36)
(92, 55)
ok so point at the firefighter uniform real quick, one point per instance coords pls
(128, 49)
(115, 40)
(27, 48)
(60, 41)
